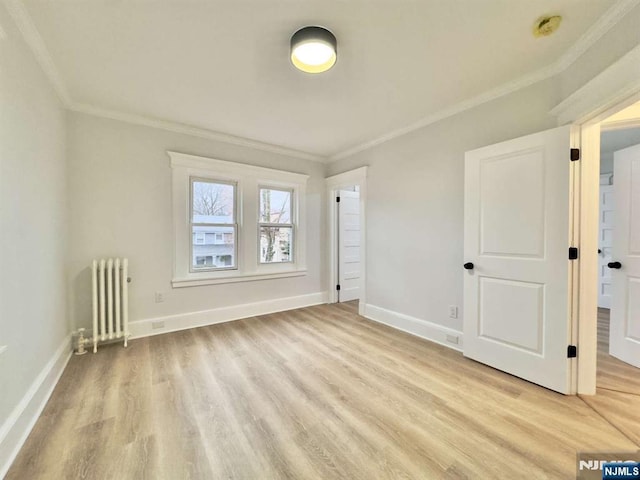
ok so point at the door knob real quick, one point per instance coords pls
(614, 265)
(468, 266)
(599, 251)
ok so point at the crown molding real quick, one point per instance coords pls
(617, 84)
(32, 37)
(460, 107)
(191, 130)
(23, 21)
(25, 24)
(606, 22)
(610, 18)
(620, 125)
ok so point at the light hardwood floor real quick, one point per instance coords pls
(618, 393)
(315, 393)
(613, 374)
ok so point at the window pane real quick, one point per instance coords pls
(275, 244)
(275, 206)
(213, 253)
(212, 202)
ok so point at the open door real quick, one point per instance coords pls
(624, 341)
(349, 246)
(516, 248)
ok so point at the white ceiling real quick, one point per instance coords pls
(224, 65)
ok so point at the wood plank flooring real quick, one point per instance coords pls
(315, 393)
(613, 374)
(618, 386)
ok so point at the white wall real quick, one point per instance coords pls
(613, 140)
(33, 231)
(606, 162)
(415, 190)
(120, 198)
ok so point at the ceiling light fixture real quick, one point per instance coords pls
(313, 49)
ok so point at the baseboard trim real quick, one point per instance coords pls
(414, 326)
(16, 429)
(184, 321)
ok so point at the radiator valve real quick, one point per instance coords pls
(81, 342)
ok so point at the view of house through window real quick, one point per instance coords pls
(276, 226)
(213, 225)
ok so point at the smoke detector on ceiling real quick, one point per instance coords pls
(546, 25)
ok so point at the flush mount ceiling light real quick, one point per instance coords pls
(546, 25)
(313, 49)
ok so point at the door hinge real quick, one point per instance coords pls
(573, 253)
(338, 287)
(338, 199)
(572, 351)
(575, 154)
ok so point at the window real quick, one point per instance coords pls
(235, 222)
(212, 215)
(224, 259)
(275, 225)
(204, 260)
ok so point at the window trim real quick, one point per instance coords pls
(293, 224)
(248, 179)
(192, 180)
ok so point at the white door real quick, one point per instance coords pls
(624, 341)
(605, 244)
(516, 235)
(349, 246)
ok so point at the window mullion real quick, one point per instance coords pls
(276, 225)
(213, 224)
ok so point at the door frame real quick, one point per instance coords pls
(333, 185)
(615, 88)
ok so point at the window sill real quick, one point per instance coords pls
(235, 278)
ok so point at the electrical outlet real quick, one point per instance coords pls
(158, 324)
(453, 311)
(159, 297)
(453, 339)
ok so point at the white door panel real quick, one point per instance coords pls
(504, 300)
(512, 204)
(605, 243)
(516, 298)
(624, 341)
(349, 246)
